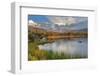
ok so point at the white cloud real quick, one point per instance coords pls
(70, 20)
(60, 23)
(31, 22)
(65, 20)
(62, 20)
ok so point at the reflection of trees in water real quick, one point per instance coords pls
(38, 36)
(42, 34)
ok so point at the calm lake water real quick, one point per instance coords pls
(71, 47)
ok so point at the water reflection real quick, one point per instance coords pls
(70, 47)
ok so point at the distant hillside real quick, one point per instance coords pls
(82, 26)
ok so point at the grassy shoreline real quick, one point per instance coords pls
(35, 54)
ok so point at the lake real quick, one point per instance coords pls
(73, 47)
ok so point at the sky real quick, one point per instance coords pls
(64, 21)
(38, 18)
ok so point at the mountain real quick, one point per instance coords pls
(81, 26)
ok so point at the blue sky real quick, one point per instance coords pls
(60, 20)
(38, 18)
(56, 19)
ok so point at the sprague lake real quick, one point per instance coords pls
(73, 47)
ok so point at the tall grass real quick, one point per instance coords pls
(34, 53)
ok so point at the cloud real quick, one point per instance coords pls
(62, 20)
(31, 22)
(70, 20)
(65, 20)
